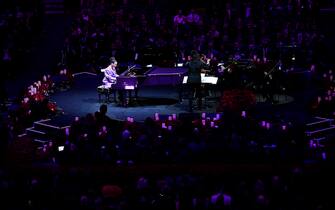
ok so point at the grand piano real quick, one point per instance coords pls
(135, 77)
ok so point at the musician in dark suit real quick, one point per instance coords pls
(195, 66)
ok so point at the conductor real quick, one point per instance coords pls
(195, 66)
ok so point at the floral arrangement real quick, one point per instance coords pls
(236, 100)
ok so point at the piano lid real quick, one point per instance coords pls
(168, 71)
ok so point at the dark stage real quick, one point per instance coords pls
(82, 99)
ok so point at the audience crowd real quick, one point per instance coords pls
(253, 29)
(237, 30)
(324, 104)
(276, 30)
(229, 29)
(292, 188)
(227, 137)
(20, 25)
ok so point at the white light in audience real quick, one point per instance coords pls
(149, 65)
(283, 127)
(268, 125)
(179, 64)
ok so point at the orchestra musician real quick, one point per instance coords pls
(110, 73)
(195, 67)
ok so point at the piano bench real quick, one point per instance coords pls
(106, 92)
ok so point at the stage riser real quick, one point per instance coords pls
(48, 129)
(36, 135)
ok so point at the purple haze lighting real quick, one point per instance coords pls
(67, 131)
(268, 125)
(311, 144)
(324, 156)
(156, 116)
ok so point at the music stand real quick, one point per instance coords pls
(205, 80)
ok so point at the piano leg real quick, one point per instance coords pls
(114, 95)
(129, 100)
(121, 97)
(125, 98)
(180, 93)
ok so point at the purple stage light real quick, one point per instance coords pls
(324, 156)
(156, 116)
(67, 131)
(268, 125)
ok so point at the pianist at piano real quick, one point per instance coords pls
(110, 73)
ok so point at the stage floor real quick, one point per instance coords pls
(82, 99)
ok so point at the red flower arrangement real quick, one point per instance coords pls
(52, 106)
(236, 100)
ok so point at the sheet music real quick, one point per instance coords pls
(204, 79)
(209, 80)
